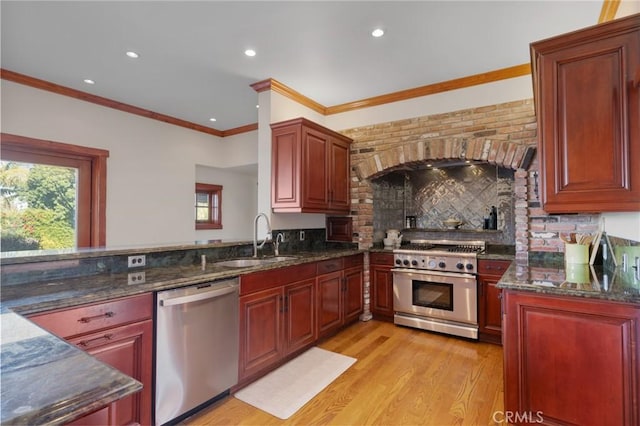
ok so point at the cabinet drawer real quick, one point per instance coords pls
(259, 281)
(331, 265)
(493, 267)
(355, 260)
(89, 318)
(381, 259)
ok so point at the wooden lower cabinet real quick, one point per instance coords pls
(339, 293)
(381, 285)
(330, 300)
(277, 317)
(280, 317)
(261, 322)
(122, 348)
(275, 323)
(119, 333)
(571, 360)
(490, 300)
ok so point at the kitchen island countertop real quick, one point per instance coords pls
(576, 280)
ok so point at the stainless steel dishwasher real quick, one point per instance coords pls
(197, 334)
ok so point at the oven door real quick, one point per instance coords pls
(440, 295)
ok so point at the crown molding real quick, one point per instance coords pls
(242, 129)
(458, 83)
(99, 100)
(608, 11)
(276, 86)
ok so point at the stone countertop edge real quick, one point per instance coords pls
(47, 380)
(531, 278)
(76, 383)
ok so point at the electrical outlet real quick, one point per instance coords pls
(137, 261)
(301, 235)
(136, 277)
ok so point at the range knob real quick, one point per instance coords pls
(405, 262)
(441, 264)
(459, 265)
(398, 262)
(414, 262)
(469, 266)
(431, 264)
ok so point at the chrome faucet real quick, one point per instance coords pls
(267, 237)
(276, 243)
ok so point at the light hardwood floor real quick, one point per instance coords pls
(402, 377)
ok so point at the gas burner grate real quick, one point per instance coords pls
(465, 249)
(416, 246)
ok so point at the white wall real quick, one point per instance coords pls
(151, 170)
(469, 97)
(239, 203)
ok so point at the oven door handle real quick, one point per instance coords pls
(434, 273)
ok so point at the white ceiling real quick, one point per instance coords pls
(192, 64)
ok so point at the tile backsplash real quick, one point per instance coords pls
(463, 192)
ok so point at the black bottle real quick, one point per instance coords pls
(493, 218)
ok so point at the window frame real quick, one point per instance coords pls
(92, 179)
(210, 190)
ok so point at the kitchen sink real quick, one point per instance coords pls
(243, 263)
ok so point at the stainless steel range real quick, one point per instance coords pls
(435, 286)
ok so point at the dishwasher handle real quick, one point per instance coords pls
(182, 300)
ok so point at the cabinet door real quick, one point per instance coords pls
(129, 349)
(300, 315)
(381, 292)
(329, 296)
(490, 299)
(575, 361)
(588, 105)
(490, 310)
(261, 330)
(285, 167)
(315, 190)
(353, 298)
(339, 196)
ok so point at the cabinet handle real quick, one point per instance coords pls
(281, 304)
(497, 268)
(85, 343)
(286, 303)
(89, 319)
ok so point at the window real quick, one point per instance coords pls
(76, 174)
(208, 206)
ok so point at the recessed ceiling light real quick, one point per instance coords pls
(250, 52)
(257, 106)
(89, 81)
(132, 54)
(212, 119)
(378, 32)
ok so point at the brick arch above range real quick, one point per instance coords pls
(504, 154)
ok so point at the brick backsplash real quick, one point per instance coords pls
(503, 135)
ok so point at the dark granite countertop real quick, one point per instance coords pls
(578, 280)
(46, 380)
(498, 252)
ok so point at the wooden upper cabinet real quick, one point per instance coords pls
(309, 169)
(586, 87)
